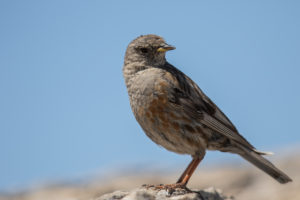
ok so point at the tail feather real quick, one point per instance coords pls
(267, 153)
(256, 159)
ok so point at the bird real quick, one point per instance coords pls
(176, 114)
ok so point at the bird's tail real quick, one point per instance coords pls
(256, 158)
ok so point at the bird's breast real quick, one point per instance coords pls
(161, 120)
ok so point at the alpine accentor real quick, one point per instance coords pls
(174, 112)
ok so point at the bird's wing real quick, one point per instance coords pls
(211, 116)
(217, 120)
(196, 104)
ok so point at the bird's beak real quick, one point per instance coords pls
(165, 47)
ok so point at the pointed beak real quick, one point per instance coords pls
(165, 47)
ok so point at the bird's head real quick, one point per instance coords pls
(147, 49)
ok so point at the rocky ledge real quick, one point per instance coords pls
(177, 194)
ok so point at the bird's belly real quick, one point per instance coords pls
(169, 129)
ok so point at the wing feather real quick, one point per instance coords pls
(196, 104)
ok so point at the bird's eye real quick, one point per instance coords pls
(144, 50)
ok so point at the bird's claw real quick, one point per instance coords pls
(168, 187)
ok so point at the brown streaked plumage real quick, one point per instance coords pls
(174, 112)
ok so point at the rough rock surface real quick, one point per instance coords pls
(178, 194)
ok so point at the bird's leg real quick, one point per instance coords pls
(184, 178)
(186, 175)
(187, 170)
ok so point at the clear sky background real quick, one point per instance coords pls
(64, 109)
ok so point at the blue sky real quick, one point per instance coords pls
(64, 109)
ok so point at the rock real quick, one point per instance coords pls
(113, 196)
(178, 194)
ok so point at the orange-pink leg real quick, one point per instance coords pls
(184, 178)
(186, 175)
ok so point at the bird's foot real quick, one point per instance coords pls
(168, 187)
